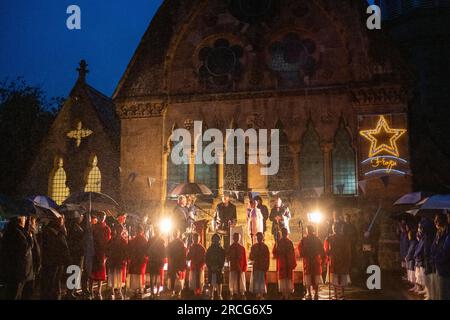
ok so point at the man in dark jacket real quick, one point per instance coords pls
(55, 256)
(17, 258)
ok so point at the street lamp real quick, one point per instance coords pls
(315, 217)
(166, 226)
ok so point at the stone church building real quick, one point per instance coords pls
(338, 92)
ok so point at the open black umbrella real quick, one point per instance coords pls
(412, 198)
(93, 201)
(26, 207)
(190, 188)
(431, 206)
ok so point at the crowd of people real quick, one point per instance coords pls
(425, 256)
(133, 262)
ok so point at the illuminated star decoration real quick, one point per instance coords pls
(79, 133)
(383, 129)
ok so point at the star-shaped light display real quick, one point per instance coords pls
(79, 133)
(383, 138)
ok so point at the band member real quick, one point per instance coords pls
(117, 258)
(264, 211)
(138, 262)
(180, 215)
(260, 256)
(280, 216)
(225, 217)
(311, 251)
(196, 256)
(285, 254)
(255, 220)
(215, 261)
(101, 234)
(238, 266)
(155, 265)
(176, 255)
(338, 252)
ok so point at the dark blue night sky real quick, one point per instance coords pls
(36, 44)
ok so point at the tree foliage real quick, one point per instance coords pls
(25, 118)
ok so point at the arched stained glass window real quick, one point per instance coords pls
(93, 177)
(57, 188)
(176, 174)
(344, 164)
(311, 160)
(206, 173)
(283, 179)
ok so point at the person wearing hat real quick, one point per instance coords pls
(215, 261)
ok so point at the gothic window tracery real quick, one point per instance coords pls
(220, 64)
(176, 174)
(311, 160)
(58, 189)
(93, 177)
(293, 59)
(283, 179)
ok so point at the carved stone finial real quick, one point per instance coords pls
(82, 71)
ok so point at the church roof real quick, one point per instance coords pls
(102, 105)
(151, 52)
(105, 109)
